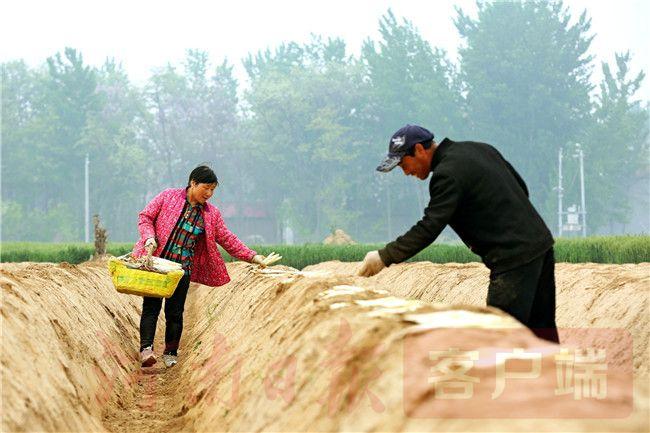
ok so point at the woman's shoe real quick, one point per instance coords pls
(170, 360)
(147, 357)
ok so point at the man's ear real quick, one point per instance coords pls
(419, 148)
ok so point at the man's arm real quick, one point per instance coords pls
(445, 196)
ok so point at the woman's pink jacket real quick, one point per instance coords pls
(159, 218)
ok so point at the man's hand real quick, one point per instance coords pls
(371, 265)
(150, 245)
(266, 261)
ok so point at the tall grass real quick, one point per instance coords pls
(603, 249)
(613, 249)
(55, 252)
(309, 254)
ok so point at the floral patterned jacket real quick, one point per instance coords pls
(159, 218)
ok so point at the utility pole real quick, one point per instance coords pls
(87, 207)
(559, 193)
(582, 191)
(576, 215)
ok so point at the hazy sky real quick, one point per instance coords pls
(143, 35)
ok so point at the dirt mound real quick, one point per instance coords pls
(58, 323)
(320, 350)
(338, 237)
(589, 295)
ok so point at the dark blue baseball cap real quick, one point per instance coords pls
(402, 143)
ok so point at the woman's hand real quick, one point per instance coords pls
(266, 261)
(150, 245)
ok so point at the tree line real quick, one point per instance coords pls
(303, 137)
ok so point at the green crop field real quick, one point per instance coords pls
(613, 249)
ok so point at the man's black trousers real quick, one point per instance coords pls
(528, 294)
(174, 306)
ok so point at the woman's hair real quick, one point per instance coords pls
(202, 174)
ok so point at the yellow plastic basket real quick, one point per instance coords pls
(140, 282)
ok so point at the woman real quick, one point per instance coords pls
(180, 225)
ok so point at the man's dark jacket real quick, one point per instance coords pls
(481, 196)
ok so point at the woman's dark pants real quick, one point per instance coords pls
(528, 294)
(174, 307)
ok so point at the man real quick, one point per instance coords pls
(481, 196)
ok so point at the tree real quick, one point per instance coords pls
(48, 111)
(166, 99)
(71, 98)
(25, 129)
(194, 118)
(119, 163)
(21, 127)
(525, 71)
(225, 146)
(616, 146)
(409, 82)
(302, 134)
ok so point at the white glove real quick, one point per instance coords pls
(266, 261)
(150, 245)
(371, 265)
